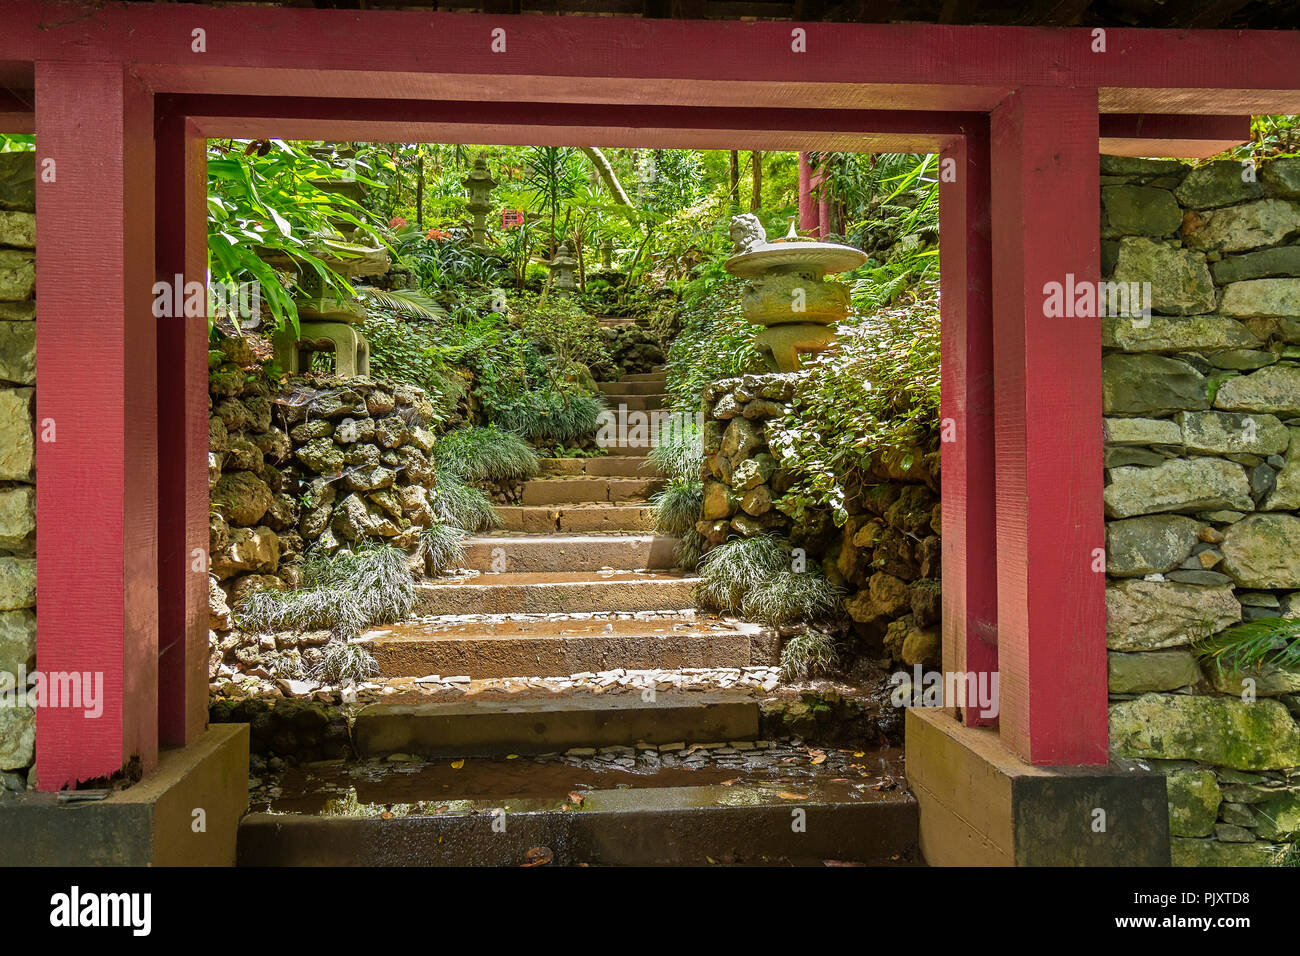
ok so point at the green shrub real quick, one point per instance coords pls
(790, 597)
(443, 546)
(679, 451)
(344, 593)
(410, 352)
(345, 661)
(689, 550)
(715, 342)
(484, 454)
(809, 654)
(875, 391)
(462, 506)
(677, 507)
(550, 415)
(730, 570)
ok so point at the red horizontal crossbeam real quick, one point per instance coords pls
(412, 55)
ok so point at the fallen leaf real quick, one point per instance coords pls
(538, 856)
(457, 764)
(793, 796)
(512, 756)
(386, 815)
(728, 783)
(576, 799)
(818, 756)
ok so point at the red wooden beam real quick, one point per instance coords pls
(95, 368)
(414, 55)
(1171, 134)
(970, 596)
(1051, 604)
(181, 231)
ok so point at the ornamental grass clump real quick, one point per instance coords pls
(343, 662)
(791, 597)
(551, 416)
(442, 547)
(484, 454)
(680, 450)
(809, 654)
(343, 593)
(729, 571)
(462, 506)
(677, 507)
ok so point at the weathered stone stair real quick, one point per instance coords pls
(576, 582)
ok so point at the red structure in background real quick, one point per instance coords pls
(121, 99)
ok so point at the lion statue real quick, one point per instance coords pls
(747, 233)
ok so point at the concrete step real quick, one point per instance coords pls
(584, 552)
(620, 466)
(639, 387)
(638, 450)
(657, 376)
(545, 646)
(534, 725)
(588, 490)
(576, 519)
(743, 821)
(556, 592)
(636, 403)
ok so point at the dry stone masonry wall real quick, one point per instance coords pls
(321, 462)
(885, 557)
(17, 456)
(1202, 457)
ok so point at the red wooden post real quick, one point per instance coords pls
(96, 417)
(1051, 603)
(970, 581)
(181, 217)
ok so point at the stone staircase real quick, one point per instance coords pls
(576, 585)
(575, 581)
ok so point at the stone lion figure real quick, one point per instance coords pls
(747, 233)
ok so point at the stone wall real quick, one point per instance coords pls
(319, 462)
(885, 557)
(1202, 457)
(17, 456)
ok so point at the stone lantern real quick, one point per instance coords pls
(480, 183)
(562, 267)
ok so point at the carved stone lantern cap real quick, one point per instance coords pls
(479, 177)
(562, 258)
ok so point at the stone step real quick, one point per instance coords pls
(630, 450)
(556, 592)
(584, 552)
(620, 466)
(643, 387)
(745, 821)
(657, 376)
(533, 725)
(636, 403)
(542, 645)
(588, 490)
(576, 519)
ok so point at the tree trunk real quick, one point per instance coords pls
(734, 192)
(419, 186)
(756, 197)
(607, 174)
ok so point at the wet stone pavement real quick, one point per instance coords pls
(731, 771)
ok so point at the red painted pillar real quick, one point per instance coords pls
(970, 597)
(1051, 603)
(807, 218)
(181, 219)
(97, 485)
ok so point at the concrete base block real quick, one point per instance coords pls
(153, 823)
(980, 805)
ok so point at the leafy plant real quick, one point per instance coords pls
(789, 597)
(808, 654)
(680, 450)
(677, 507)
(345, 661)
(462, 506)
(550, 415)
(484, 454)
(443, 546)
(344, 592)
(1254, 645)
(730, 570)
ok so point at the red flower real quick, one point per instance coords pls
(397, 222)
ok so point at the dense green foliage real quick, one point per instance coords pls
(875, 393)
(484, 454)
